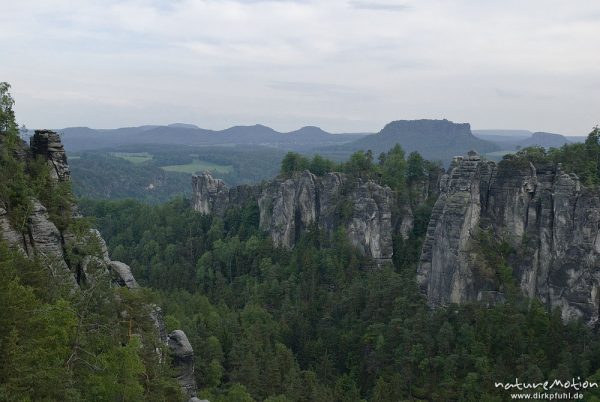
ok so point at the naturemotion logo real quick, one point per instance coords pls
(573, 384)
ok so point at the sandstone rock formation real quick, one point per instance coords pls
(123, 275)
(47, 144)
(288, 206)
(545, 213)
(183, 361)
(39, 236)
(209, 194)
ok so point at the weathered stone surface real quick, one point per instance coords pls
(39, 236)
(43, 232)
(183, 361)
(156, 315)
(209, 194)
(123, 275)
(443, 271)
(370, 228)
(11, 236)
(47, 144)
(45, 240)
(542, 211)
(91, 269)
(103, 247)
(289, 206)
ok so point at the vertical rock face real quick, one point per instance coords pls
(370, 228)
(289, 206)
(540, 210)
(39, 236)
(443, 272)
(47, 144)
(13, 237)
(183, 361)
(209, 194)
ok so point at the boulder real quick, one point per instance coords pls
(122, 275)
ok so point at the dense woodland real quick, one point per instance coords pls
(316, 323)
(101, 175)
(59, 341)
(582, 159)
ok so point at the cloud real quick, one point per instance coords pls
(359, 63)
(312, 88)
(269, 1)
(376, 6)
(503, 93)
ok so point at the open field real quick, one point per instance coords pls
(198, 166)
(133, 157)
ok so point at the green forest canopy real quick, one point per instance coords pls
(308, 324)
(312, 324)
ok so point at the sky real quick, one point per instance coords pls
(343, 65)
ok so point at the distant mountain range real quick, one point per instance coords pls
(512, 140)
(434, 139)
(84, 138)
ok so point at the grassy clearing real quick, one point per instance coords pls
(198, 166)
(133, 157)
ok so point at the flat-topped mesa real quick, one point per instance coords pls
(47, 144)
(547, 215)
(289, 206)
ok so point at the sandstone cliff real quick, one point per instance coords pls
(39, 236)
(550, 219)
(288, 206)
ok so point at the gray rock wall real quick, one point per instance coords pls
(39, 236)
(545, 213)
(288, 206)
(182, 355)
(47, 144)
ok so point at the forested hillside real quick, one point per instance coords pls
(318, 323)
(157, 173)
(67, 332)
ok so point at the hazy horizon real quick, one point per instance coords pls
(345, 66)
(516, 130)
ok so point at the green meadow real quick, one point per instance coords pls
(198, 166)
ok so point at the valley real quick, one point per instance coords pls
(299, 201)
(249, 273)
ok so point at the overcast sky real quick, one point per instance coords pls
(344, 65)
